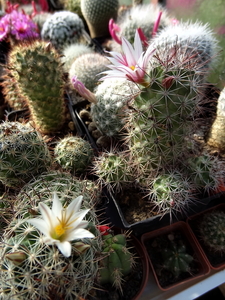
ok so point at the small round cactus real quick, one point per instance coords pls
(62, 28)
(212, 230)
(97, 15)
(118, 261)
(87, 68)
(23, 153)
(74, 154)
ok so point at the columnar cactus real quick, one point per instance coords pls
(74, 154)
(97, 15)
(216, 138)
(118, 260)
(32, 268)
(23, 153)
(63, 28)
(212, 230)
(87, 68)
(37, 69)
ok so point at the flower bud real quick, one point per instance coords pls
(17, 257)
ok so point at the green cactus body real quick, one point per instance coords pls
(63, 28)
(158, 124)
(23, 154)
(87, 68)
(73, 6)
(212, 230)
(176, 259)
(32, 269)
(117, 262)
(97, 15)
(216, 138)
(109, 112)
(73, 154)
(37, 69)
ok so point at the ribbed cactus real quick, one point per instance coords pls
(32, 269)
(23, 154)
(216, 138)
(109, 113)
(37, 69)
(176, 259)
(73, 154)
(212, 230)
(87, 68)
(118, 260)
(72, 52)
(63, 28)
(97, 15)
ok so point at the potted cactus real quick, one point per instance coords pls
(174, 256)
(208, 229)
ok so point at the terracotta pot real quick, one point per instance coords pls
(216, 260)
(199, 263)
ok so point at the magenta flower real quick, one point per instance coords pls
(4, 29)
(132, 64)
(82, 90)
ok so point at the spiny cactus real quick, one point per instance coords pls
(73, 154)
(195, 40)
(23, 153)
(216, 138)
(72, 52)
(212, 230)
(30, 268)
(113, 96)
(36, 68)
(118, 260)
(73, 6)
(176, 259)
(62, 29)
(87, 68)
(97, 15)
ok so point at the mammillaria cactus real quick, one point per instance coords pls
(23, 154)
(37, 69)
(118, 260)
(73, 154)
(62, 29)
(45, 269)
(212, 231)
(87, 68)
(97, 15)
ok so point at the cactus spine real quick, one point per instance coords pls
(37, 69)
(23, 154)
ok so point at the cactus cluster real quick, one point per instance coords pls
(23, 154)
(73, 154)
(118, 260)
(212, 231)
(37, 73)
(30, 268)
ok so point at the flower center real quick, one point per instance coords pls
(64, 224)
(60, 230)
(132, 68)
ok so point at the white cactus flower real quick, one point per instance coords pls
(61, 225)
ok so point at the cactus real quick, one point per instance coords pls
(110, 111)
(176, 259)
(212, 230)
(97, 15)
(73, 154)
(118, 261)
(87, 68)
(23, 154)
(195, 40)
(73, 6)
(37, 70)
(32, 269)
(63, 28)
(216, 137)
(72, 52)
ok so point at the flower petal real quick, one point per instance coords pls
(138, 49)
(65, 248)
(78, 234)
(129, 52)
(78, 218)
(75, 205)
(47, 215)
(40, 225)
(56, 206)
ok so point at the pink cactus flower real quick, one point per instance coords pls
(82, 90)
